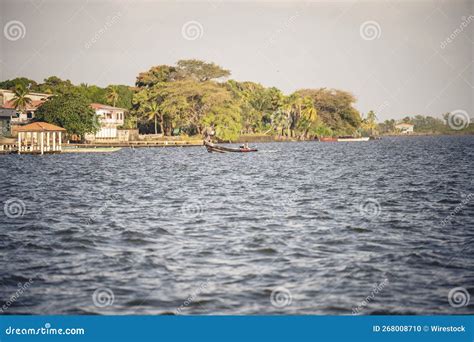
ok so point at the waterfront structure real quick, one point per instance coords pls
(405, 128)
(110, 119)
(40, 138)
(7, 98)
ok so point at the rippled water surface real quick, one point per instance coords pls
(297, 228)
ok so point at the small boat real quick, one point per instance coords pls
(327, 139)
(350, 139)
(222, 149)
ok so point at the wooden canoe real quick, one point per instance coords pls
(213, 148)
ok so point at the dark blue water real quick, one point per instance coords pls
(379, 227)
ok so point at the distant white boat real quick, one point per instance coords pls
(349, 139)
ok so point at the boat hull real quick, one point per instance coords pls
(327, 139)
(212, 148)
(352, 139)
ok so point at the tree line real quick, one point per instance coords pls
(191, 95)
(427, 125)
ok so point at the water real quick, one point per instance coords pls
(297, 228)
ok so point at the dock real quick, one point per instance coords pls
(141, 144)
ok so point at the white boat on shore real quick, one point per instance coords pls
(350, 139)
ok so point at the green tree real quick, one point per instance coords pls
(336, 109)
(189, 101)
(153, 112)
(21, 99)
(112, 95)
(24, 82)
(369, 123)
(155, 75)
(70, 111)
(55, 85)
(200, 71)
(387, 127)
(257, 104)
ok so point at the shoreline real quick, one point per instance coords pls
(96, 147)
(242, 139)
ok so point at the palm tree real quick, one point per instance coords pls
(112, 94)
(279, 121)
(309, 115)
(370, 122)
(153, 110)
(21, 99)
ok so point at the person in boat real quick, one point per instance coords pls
(208, 133)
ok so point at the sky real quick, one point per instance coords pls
(398, 58)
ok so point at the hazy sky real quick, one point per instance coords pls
(392, 55)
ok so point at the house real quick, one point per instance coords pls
(6, 116)
(110, 118)
(405, 128)
(7, 98)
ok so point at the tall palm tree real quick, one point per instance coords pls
(112, 95)
(21, 99)
(370, 122)
(309, 115)
(153, 110)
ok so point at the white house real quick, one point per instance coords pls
(110, 118)
(405, 128)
